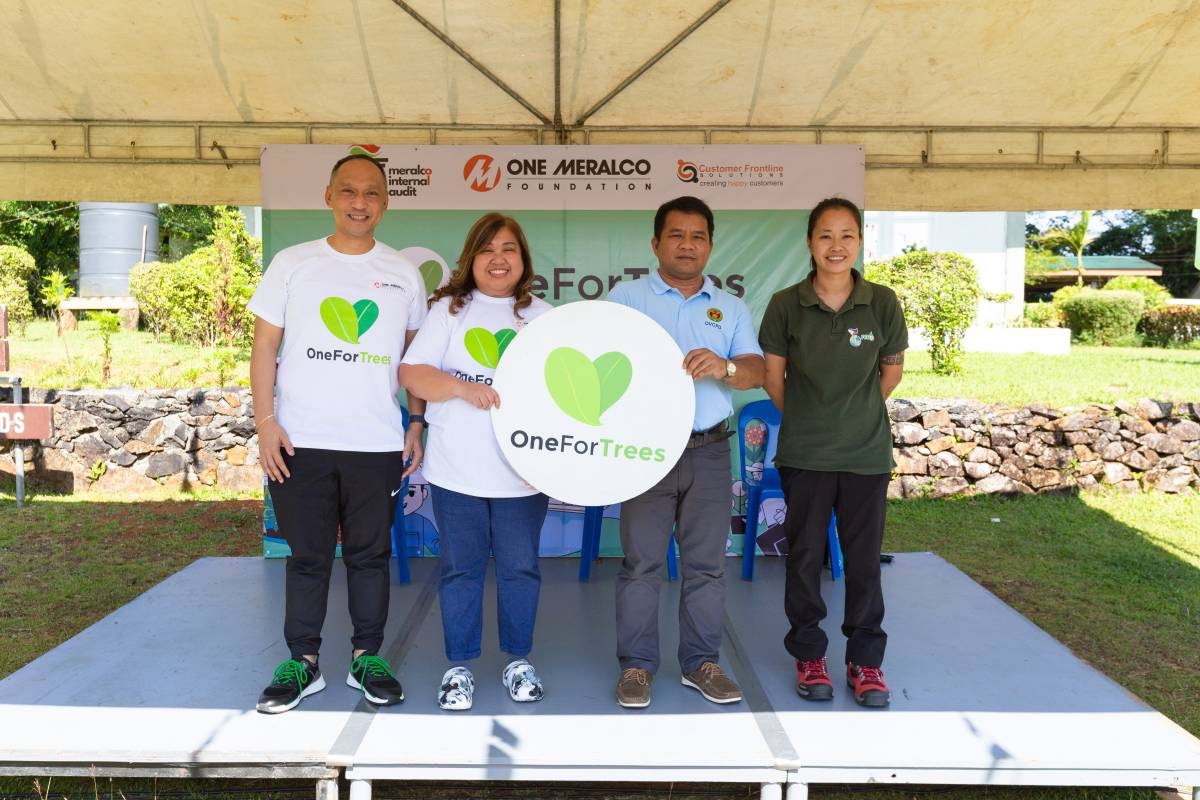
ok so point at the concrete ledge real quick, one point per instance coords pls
(1047, 341)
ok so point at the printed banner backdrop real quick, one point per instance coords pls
(588, 212)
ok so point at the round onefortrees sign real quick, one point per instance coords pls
(595, 406)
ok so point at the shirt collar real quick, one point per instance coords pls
(662, 287)
(860, 295)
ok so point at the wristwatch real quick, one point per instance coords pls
(418, 418)
(730, 368)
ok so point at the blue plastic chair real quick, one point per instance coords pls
(589, 550)
(399, 545)
(762, 414)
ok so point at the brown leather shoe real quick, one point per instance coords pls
(713, 683)
(633, 689)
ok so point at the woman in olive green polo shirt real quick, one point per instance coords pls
(834, 346)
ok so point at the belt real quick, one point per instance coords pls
(717, 433)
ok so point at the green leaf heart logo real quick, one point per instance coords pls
(431, 275)
(487, 347)
(585, 389)
(348, 321)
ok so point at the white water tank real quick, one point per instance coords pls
(112, 238)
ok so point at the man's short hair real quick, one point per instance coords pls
(356, 157)
(686, 204)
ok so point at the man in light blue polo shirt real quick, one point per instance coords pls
(716, 332)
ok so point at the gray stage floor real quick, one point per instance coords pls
(980, 695)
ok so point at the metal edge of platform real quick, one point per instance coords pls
(999, 776)
(131, 770)
(560, 773)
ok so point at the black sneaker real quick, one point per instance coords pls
(294, 680)
(372, 674)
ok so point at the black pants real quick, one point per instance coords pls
(861, 505)
(329, 489)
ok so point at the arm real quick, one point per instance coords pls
(414, 450)
(704, 363)
(271, 435)
(430, 383)
(891, 370)
(776, 369)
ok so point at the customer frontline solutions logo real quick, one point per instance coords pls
(595, 406)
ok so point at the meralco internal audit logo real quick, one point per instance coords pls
(348, 322)
(584, 389)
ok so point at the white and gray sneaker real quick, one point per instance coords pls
(458, 690)
(522, 682)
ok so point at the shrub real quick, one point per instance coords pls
(1152, 293)
(1042, 315)
(940, 293)
(1099, 317)
(15, 295)
(1064, 294)
(1171, 325)
(15, 262)
(201, 298)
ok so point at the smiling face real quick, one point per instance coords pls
(835, 241)
(498, 267)
(683, 247)
(358, 197)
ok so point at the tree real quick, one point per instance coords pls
(1166, 237)
(183, 228)
(1072, 239)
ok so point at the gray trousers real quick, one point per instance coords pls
(693, 501)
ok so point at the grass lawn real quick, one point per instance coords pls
(1115, 577)
(44, 360)
(1086, 375)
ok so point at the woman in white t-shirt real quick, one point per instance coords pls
(480, 504)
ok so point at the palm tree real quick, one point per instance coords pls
(1074, 238)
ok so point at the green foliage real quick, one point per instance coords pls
(1099, 317)
(1154, 295)
(1042, 315)
(224, 364)
(201, 298)
(1063, 295)
(16, 268)
(1171, 325)
(183, 228)
(49, 231)
(940, 293)
(54, 290)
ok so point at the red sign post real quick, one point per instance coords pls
(26, 421)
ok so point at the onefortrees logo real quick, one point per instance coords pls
(487, 347)
(348, 321)
(584, 389)
(481, 172)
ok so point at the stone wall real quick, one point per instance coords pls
(140, 441)
(131, 441)
(952, 448)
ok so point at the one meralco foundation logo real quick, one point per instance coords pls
(483, 173)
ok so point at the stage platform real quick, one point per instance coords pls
(166, 685)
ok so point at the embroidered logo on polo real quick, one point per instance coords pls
(584, 389)
(715, 314)
(485, 347)
(856, 339)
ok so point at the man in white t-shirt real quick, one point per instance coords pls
(334, 316)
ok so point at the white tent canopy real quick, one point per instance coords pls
(961, 104)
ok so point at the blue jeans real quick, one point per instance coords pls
(470, 528)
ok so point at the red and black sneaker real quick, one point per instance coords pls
(869, 688)
(812, 680)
